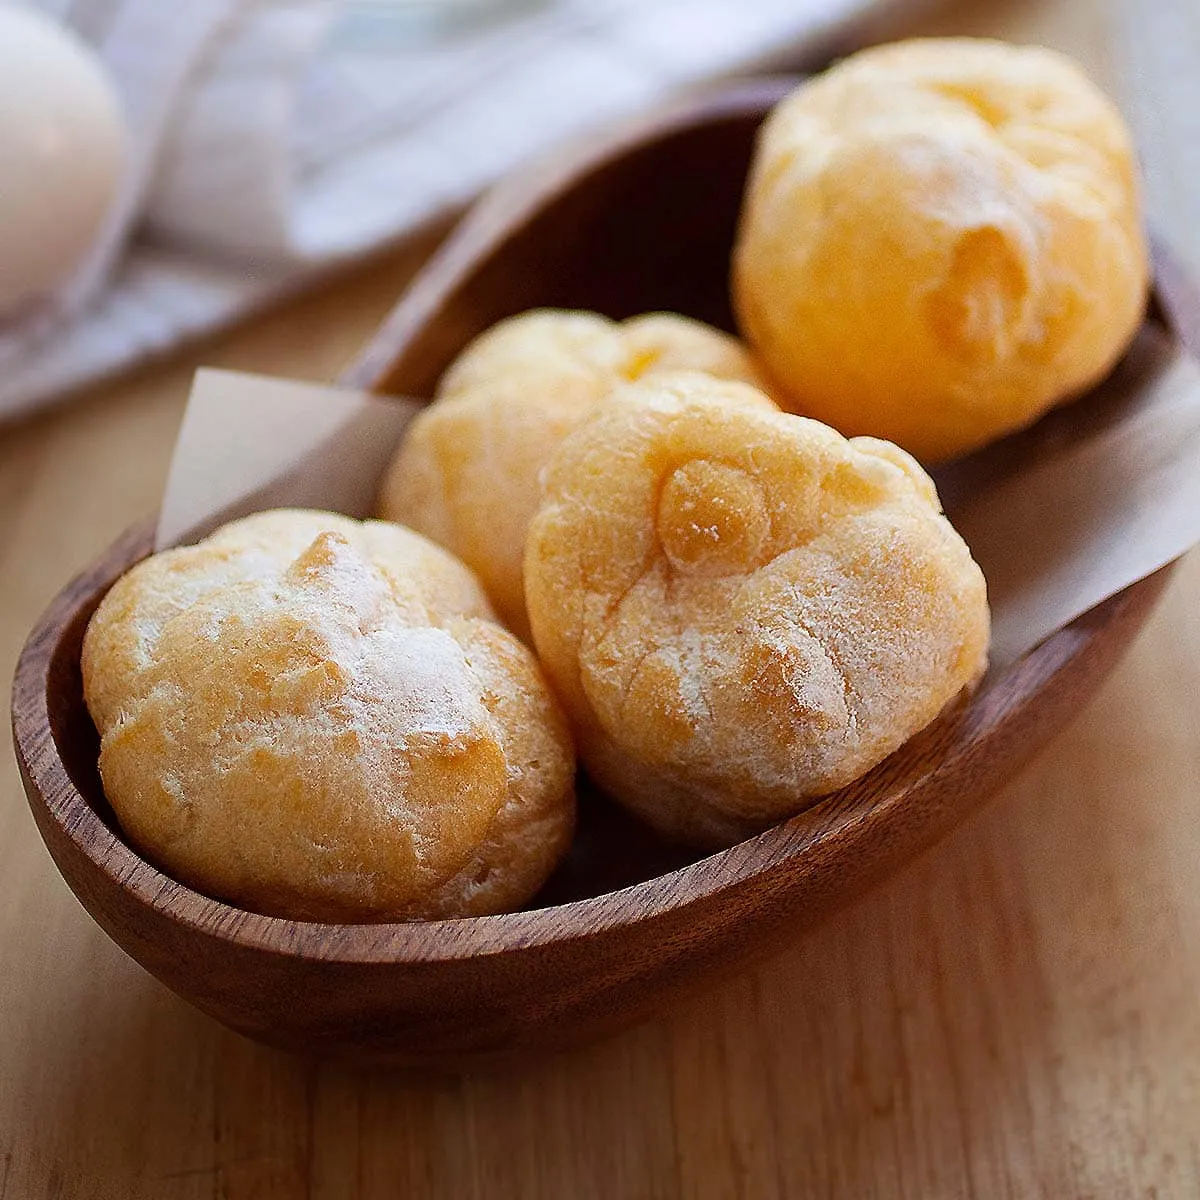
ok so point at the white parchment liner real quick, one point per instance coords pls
(1097, 495)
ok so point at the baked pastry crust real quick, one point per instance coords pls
(941, 239)
(467, 472)
(740, 609)
(317, 718)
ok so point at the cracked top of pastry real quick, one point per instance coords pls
(467, 472)
(315, 717)
(739, 608)
(941, 239)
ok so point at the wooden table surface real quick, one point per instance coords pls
(1017, 1014)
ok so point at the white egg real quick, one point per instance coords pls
(62, 149)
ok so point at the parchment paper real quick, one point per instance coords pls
(1094, 497)
(250, 442)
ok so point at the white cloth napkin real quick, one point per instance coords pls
(269, 143)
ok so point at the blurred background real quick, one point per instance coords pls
(264, 142)
(250, 147)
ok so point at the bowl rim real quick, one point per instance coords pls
(50, 788)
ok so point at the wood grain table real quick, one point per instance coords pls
(1017, 1014)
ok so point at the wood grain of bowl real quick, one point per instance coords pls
(641, 220)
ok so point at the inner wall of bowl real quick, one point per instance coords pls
(651, 231)
(648, 230)
(71, 724)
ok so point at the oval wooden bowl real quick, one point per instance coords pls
(643, 221)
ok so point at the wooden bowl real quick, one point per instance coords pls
(643, 221)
